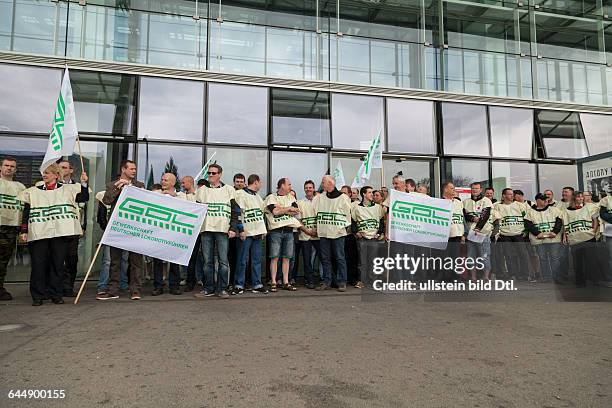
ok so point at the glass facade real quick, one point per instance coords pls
(538, 49)
(553, 52)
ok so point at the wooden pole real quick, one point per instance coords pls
(76, 300)
(80, 153)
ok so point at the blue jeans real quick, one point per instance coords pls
(105, 268)
(564, 256)
(209, 240)
(480, 250)
(333, 248)
(174, 276)
(550, 260)
(308, 248)
(281, 244)
(250, 247)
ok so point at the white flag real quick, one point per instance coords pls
(154, 224)
(419, 220)
(338, 175)
(373, 159)
(64, 131)
(204, 170)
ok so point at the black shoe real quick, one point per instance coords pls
(59, 301)
(310, 286)
(323, 286)
(188, 288)
(157, 292)
(237, 291)
(175, 291)
(37, 303)
(4, 295)
(260, 290)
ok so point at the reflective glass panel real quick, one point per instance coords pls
(411, 126)
(356, 120)
(300, 117)
(299, 167)
(156, 159)
(237, 114)
(598, 132)
(237, 48)
(171, 109)
(561, 134)
(556, 176)
(568, 37)
(245, 161)
(569, 81)
(28, 98)
(464, 172)
(465, 129)
(514, 175)
(511, 132)
(104, 102)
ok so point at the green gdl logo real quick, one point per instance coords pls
(157, 215)
(420, 212)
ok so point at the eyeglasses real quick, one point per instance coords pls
(212, 173)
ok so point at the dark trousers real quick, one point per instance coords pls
(174, 275)
(497, 259)
(352, 264)
(307, 248)
(584, 255)
(369, 249)
(71, 263)
(191, 268)
(453, 251)
(48, 257)
(515, 255)
(135, 271)
(8, 241)
(232, 257)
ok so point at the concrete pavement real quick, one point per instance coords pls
(310, 349)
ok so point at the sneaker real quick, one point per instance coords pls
(37, 303)
(200, 283)
(175, 291)
(101, 292)
(323, 286)
(107, 296)
(4, 295)
(260, 290)
(342, 287)
(135, 296)
(203, 294)
(157, 291)
(310, 286)
(58, 301)
(183, 282)
(223, 294)
(237, 291)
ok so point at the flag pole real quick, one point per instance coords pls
(80, 153)
(76, 300)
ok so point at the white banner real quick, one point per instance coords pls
(64, 130)
(156, 225)
(419, 220)
(338, 175)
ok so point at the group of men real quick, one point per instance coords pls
(339, 227)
